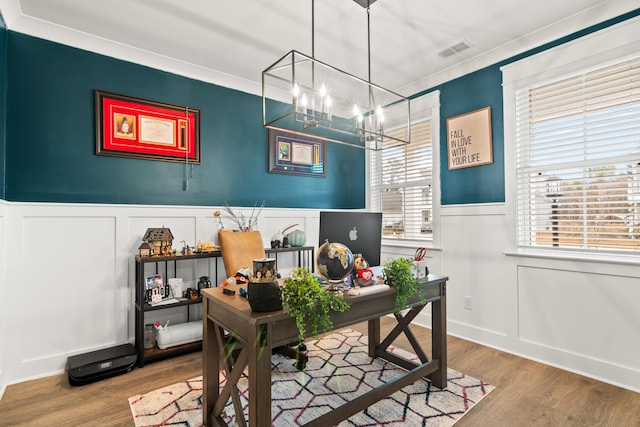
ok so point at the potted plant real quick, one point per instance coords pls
(309, 303)
(398, 274)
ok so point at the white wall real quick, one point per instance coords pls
(68, 278)
(576, 314)
(67, 282)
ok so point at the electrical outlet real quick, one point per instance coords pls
(467, 303)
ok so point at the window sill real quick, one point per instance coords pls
(589, 257)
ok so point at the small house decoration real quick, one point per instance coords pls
(146, 249)
(160, 239)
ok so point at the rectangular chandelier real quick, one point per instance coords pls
(305, 96)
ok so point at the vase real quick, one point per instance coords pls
(297, 238)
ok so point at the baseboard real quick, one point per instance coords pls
(597, 369)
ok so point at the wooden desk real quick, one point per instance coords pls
(261, 332)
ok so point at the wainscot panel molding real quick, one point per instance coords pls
(603, 331)
(74, 265)
(69, 276)
(573, 314)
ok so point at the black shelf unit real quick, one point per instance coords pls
(162, 264)
(305, 258)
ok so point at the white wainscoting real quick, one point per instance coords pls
(66, 275)
(68, 278)
(575, 314)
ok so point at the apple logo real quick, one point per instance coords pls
(353, 234)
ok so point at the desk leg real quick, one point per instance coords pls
(374, 337)
(260, 377)
(210, 365)
(439, 338)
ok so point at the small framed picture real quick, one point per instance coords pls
(469, 139)
(156, 290)
(294, 154)
(154, 281)
(176, 287)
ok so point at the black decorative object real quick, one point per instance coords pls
(164, 291)
(264, 296)
(203, 283)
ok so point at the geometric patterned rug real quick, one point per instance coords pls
(338, 370)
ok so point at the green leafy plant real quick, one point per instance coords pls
(309, 303)
(398, 273)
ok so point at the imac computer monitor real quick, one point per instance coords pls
(360, 231)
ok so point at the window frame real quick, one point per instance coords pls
(613, 44)
(425, 107)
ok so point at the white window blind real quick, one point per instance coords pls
(401, 186)
(578, 160)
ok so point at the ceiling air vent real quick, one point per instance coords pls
(456, 48)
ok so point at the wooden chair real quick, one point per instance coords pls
(239, 249)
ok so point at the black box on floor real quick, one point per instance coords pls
(100, 364)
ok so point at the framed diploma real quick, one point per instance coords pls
(139, 128)
(294, 154)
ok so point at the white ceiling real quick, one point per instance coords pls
(230, 42)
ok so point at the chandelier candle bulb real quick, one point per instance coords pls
(303, 106)
(359, 117)
(296, 94)
(323, 91)
(323, 96)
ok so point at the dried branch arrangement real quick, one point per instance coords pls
(243, 223)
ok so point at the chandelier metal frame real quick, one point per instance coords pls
(308, 97)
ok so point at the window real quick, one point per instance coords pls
(401, 181)
(577, 159)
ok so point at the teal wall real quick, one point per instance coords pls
(50, 136)
(478, 184)
(3, 106)
(483, 88)
(51, 139)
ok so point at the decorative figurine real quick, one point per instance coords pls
(208, 247)
(280, 239)
(146, 249)
(159, 239)
(362, 274)
(240, 278)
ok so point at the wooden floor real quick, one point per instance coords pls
(527, 393)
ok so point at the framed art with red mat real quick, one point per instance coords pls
(144, 129)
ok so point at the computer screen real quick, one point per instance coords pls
(360, 231)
